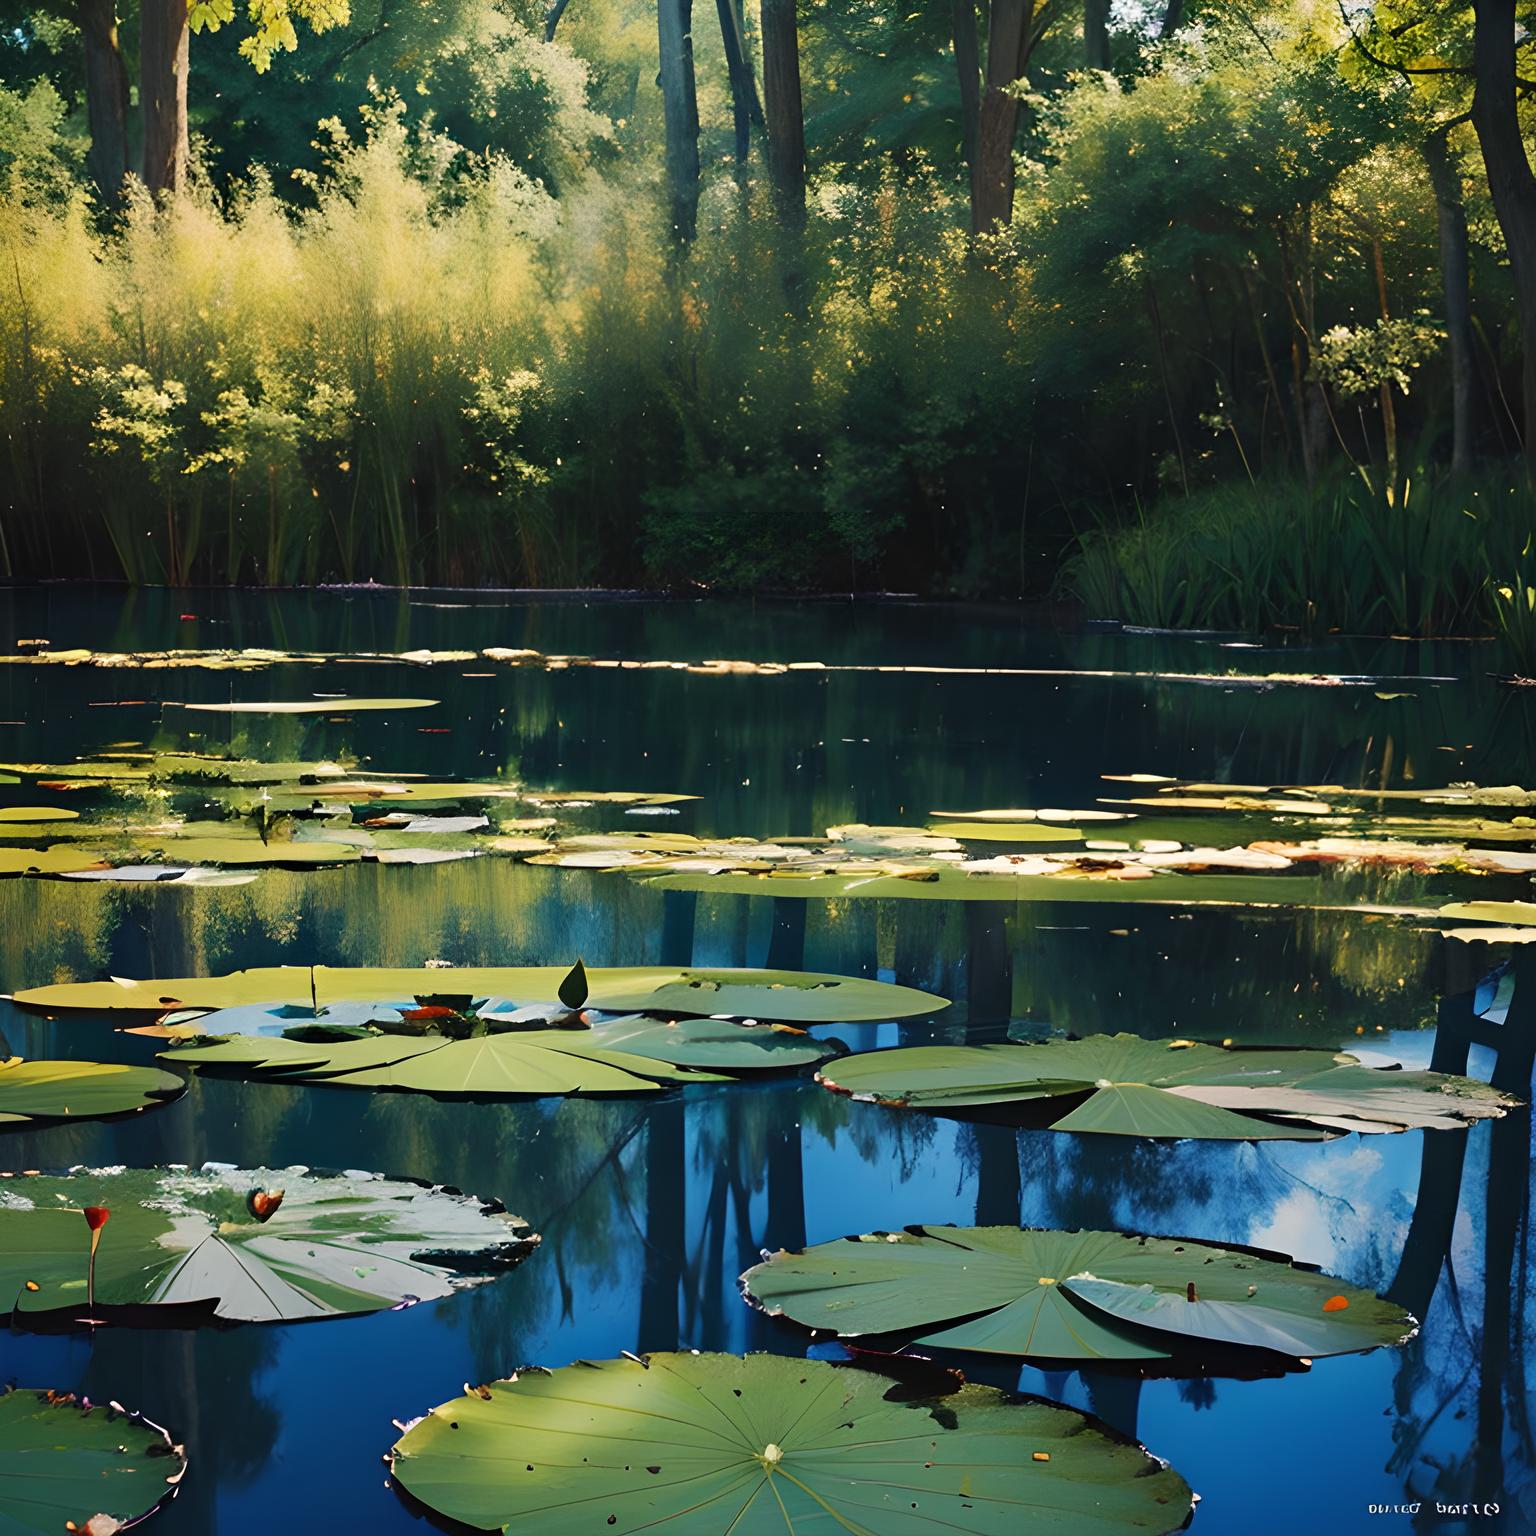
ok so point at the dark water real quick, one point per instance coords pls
(650, 1211)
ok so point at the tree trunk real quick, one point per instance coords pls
(1173, 17)
(1096, 33)
(552, 14)
(106, 97)
(680, 103)
(163, 39)
(1510, 179)
(1008, 42)
(968, 68)
(1455, 281)
(781, 101)
(746, 110)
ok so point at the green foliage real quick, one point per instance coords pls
(1339, 558)
(443, 336)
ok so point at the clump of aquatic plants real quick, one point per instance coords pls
(43, 1091)
(492, 1031)
(1122, 1085)
(1080, 1296)
(241, 1244)
(1281, 554)
(67, 1464)
(702, 1442)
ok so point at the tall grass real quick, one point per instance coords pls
(431, 370)
(1276, 555)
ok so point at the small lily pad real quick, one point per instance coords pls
(246, 1245)
(67, 1464)
(700, 1444)
(311, 706)
(79, 1090)
(1070, 1295)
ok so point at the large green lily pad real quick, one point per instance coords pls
(1070, 1295)
(79, 1090)
(335, 1244)
(791, 997)
(66, 1464)
(530, 1063)
(767, 1446)
(1172, 1089)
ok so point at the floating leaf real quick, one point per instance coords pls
(79, 1090)
(530, 1064)
(1069, 1295)
(1514, 913)
(793, 997)
(1007, 831)
(1126, 1086)
(327, 1246)
(338, 706)
(700, 1444)
(66, 1464)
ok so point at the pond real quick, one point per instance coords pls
(651, 1210)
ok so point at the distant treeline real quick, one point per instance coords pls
(941, 298)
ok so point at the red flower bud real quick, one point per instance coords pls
(96, 1217)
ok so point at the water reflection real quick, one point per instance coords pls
(651, 1210)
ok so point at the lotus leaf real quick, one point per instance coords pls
(337, 706)
(1069, 1295)
(792, 997)
(69, 1465)
(1007, 831)
(1171, 1089)
(79, 1090)
(526, 1064)
(1515, 913)
(766, 1446)
(332, 1245)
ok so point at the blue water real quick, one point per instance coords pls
(651, 1211)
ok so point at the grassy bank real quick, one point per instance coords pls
(1455, 558)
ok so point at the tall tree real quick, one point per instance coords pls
(1096, 33)
(680, 108)
(967, 46)
(1456, 286)
(1013, 29)
(1512, 183)
(164, 48)
(165, 28)
(106, 97)
(746, 109)
(782, 105)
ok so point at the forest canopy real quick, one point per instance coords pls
(990, 299)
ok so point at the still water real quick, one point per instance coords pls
(649, 1212)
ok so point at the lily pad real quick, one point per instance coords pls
(79, 1090)
(67, 1464)
(1512, 913)
(793, 997)
(1169, 1089)
(1070, 1295)
(247, 1245)
(339, 706)
(1007, 831)
(701, 1444)
(533, 1063)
